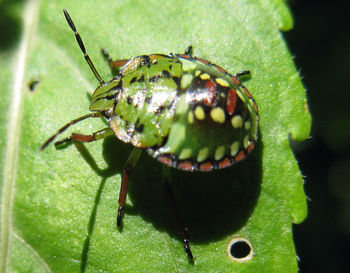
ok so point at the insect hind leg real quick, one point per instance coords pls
(243, 75)
(181, 227)
(129, 165)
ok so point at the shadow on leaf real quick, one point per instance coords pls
(212, 205)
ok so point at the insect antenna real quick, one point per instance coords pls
(82, 47)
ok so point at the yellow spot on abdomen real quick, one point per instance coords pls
(218, 115)
(190, 117)
(186, 80)
(199, 112)
(219, 152)
(188, 65)
(241, 96)
(234, 148)
(205, 76)
(182, 105)
(246, 141)
(185, 153)
(222, 82)
(202, 154)
(237, 121)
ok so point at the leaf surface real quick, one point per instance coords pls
(59, 206)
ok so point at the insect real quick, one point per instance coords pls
(184, 111)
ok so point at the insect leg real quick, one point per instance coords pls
(130, 163)
(113, 64)
(170, 196)
(243, 75)
(105, 132)
(65, 127)
(189, 51)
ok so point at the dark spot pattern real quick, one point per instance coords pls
(166, 74)
(154, 79)
(133, 80)
(148, 99)
(145, 61)
(139, 128)
(141, 79)
(160, 109)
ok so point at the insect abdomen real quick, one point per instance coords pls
(215, 123)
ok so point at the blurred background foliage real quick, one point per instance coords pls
(320, 42)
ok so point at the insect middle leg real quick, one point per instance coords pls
(66, 126)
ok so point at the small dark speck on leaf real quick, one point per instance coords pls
(32, 84)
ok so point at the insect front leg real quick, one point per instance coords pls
(170, 196)
(114, 65)
(105, 132)
(66, 126)
(130, 163)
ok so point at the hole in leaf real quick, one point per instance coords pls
(240, 249)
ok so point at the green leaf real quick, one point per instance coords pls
(59, 206)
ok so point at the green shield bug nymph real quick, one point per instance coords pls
(184, 111)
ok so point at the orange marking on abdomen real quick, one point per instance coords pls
(206, 167)
(224, 163)
(186, 166)
(184, 56)
(246, 92)
(220, 69)
(210, 95)
(237, 82)
(250, 147)
(231, 101)
(240, 156)
(165, 160)
(202, 60)
(255, 106)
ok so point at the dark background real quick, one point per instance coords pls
(320, 42)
